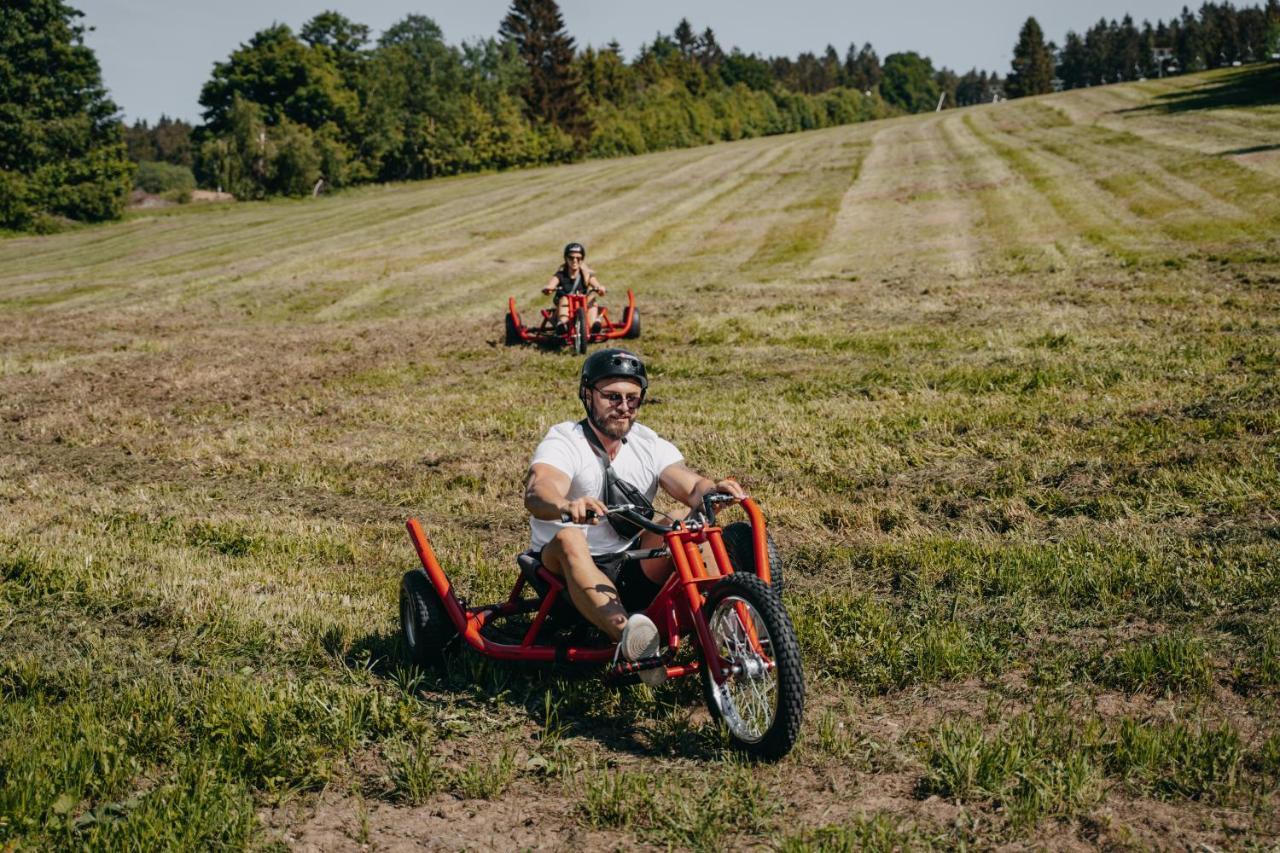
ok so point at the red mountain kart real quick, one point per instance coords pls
(577, 333)
(730, 627)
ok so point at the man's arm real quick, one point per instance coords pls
(689, 487)
(546, 497)
(551, 284)
(593, 283)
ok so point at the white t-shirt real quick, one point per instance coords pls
(640, 461)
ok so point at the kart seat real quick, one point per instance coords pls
(563, 612)
(529, 563)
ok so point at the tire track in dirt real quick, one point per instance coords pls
(1246, 137)
(808, 196)
(1015, 217)
(1088, 211)
(678, 231)
(1122, 160)
(686, 233)
(908, 207)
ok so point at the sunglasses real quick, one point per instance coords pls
(615, 400)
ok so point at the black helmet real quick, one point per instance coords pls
(576, 247)
(613, 364)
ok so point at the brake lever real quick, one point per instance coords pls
(709, 500)
(565, 518)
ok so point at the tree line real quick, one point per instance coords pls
(328, 106)
(289, 112)
(1113, 51)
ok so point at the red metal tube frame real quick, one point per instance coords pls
(690, 574)
(609, 332)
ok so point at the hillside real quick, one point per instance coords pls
(1004, 380)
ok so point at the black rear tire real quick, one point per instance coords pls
(761, 706)
(580, 332)
(513, 331)
(424, 625)
(634, 331)
(742, 553)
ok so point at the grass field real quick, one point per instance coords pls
(1004, 380)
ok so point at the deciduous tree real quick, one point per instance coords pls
(908, 82)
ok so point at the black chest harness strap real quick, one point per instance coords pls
(616, 490)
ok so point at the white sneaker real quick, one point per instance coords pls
(640, 641)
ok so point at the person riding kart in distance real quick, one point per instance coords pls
(566, 481)
(574, 276)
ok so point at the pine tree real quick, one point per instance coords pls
(849, 68)
(1128, 47)
(830, 68)
(1188, 48)
(1147, 52)
(684, 37)
(867, 72)
(970, 86)
(710, 53)
(1032, 72)
(61, 146)
(551, 93)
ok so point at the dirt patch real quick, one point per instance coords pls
(526, 818)
(211, 195)
(143, 200)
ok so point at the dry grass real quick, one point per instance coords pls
(1003, 378)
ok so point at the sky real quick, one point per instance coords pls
(156, 54)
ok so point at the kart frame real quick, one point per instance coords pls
(577, 333)
(676, 609)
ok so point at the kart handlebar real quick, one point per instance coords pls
(628, 512)
(709, 501)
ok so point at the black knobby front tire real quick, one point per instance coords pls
(513, 331)
(634, 330)
(580, 333)
(425, 627)
(742, 553)
(761, 706)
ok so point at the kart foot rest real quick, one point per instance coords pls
(627, 669)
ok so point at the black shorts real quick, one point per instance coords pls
(635, 590)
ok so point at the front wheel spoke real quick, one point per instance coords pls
(747, 697)
(764, 691)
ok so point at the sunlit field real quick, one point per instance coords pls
(1003, 379)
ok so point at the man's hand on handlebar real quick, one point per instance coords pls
(724, 491)
(583, 511)
(731, 487)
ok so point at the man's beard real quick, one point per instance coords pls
(615, 428)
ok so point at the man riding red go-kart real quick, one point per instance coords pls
(576, 319)
(612, 584)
